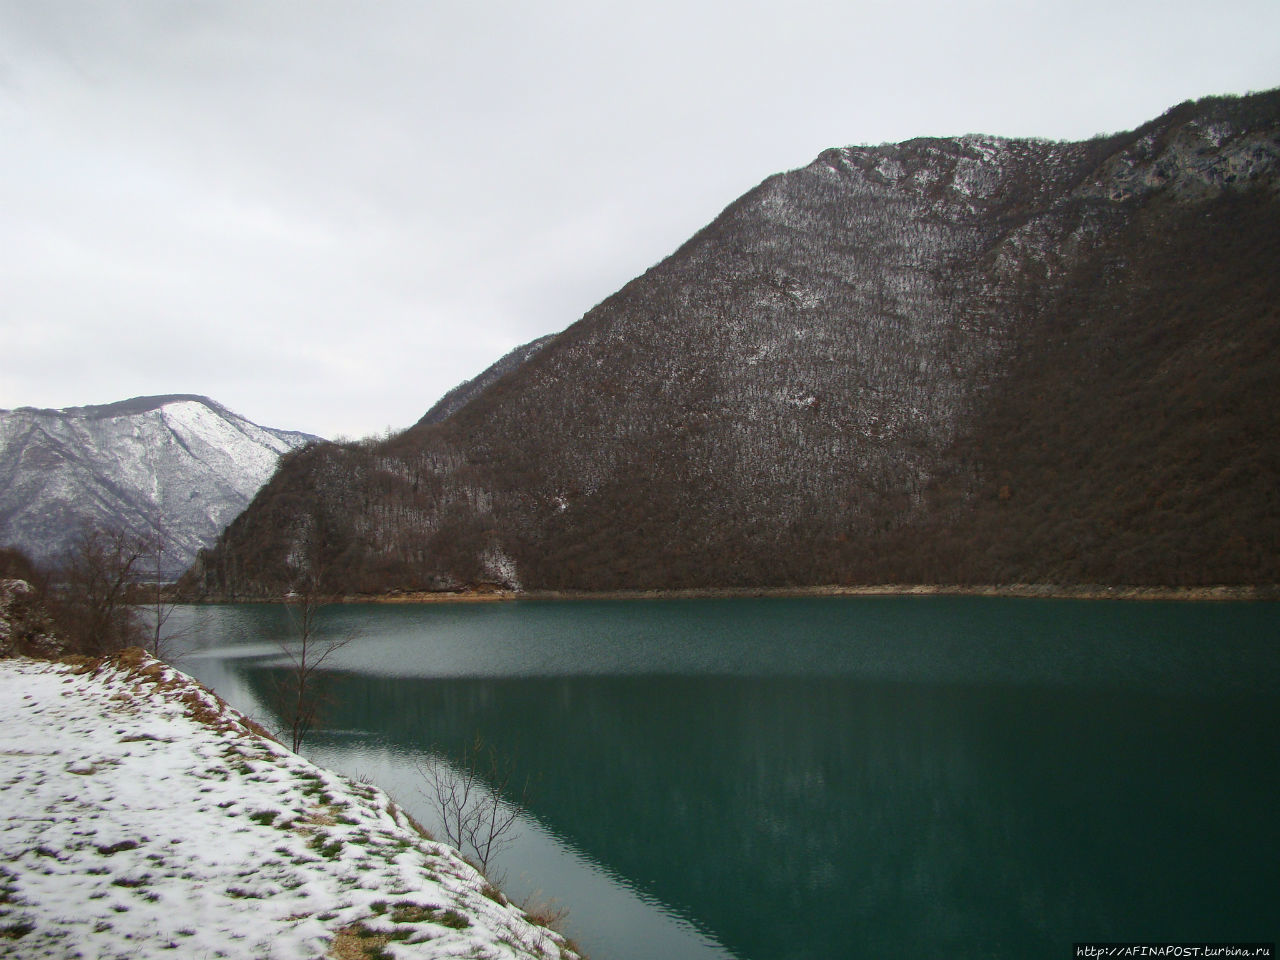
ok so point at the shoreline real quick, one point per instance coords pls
(1215, 593)
(146, 815)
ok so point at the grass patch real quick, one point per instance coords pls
(329, 849)
(549, 914)
(16, 931)
(358, 942)
(452, 919)
(412, 913)
(409, 912)
(397, 812)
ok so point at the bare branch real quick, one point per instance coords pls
(93, 604)
(473, 802)
(300, 693)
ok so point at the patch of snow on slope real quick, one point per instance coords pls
(146, 819)
(251, 451)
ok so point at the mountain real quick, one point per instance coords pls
(465, 392)
(181, 465)
(965, 360)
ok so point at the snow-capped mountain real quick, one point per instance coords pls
(972, 359)
(182, 466)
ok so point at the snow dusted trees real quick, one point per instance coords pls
(820, 385)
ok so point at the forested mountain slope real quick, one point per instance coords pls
(946, 360)
(180, 467)
(465, 392)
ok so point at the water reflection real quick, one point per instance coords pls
(606, 913)
(921, 800)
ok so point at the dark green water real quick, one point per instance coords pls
(870, 777)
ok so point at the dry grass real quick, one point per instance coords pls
(356, 942)
(202, 704)
(545, 913)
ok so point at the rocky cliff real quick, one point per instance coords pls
(946, 360)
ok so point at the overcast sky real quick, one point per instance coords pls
(324, 215)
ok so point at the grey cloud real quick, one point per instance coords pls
(326, 214)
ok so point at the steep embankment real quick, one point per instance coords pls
(958, 361)
(144, 815)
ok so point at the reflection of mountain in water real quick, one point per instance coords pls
(926, 818)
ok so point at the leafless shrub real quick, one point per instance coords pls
(158, 597)
(93, 605)
(545, 913)
(474, 801)
(300, 693)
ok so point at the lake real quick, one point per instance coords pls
(839, 777)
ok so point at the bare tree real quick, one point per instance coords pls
(473, 801)
(93, 607)
(301, 691)
(159, 598)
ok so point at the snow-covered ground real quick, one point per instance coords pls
(145, 818)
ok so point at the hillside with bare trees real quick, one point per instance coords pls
(970, 360)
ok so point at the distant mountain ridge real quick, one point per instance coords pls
(181, 465)
(964, 360)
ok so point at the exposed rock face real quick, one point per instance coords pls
(183, 466)
(951, 360)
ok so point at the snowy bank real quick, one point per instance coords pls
(146, 818)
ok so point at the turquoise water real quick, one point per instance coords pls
(845, 777)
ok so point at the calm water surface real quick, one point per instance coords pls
(818, 778)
